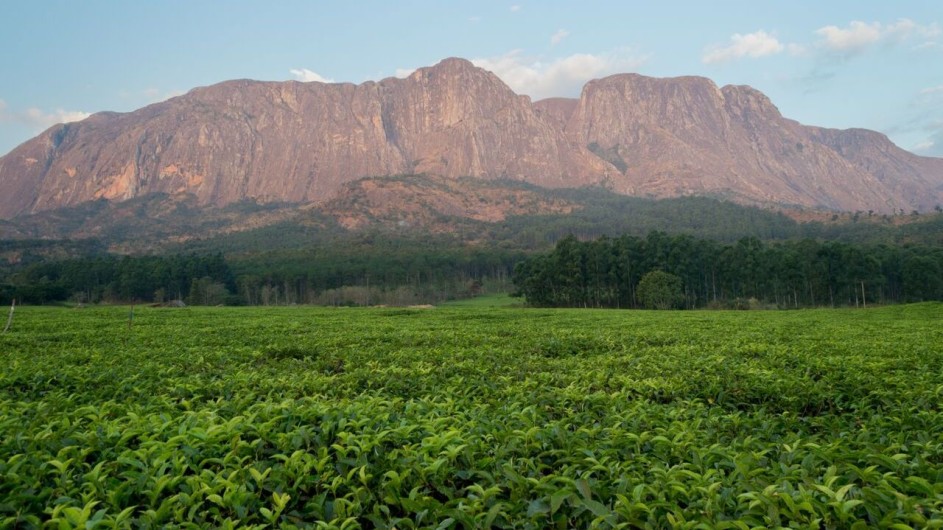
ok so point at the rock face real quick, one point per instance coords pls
(687, 136)
(301, 142)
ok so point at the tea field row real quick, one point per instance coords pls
(471, 417)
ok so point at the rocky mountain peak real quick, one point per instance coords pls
(746, 101)
(302, 142)
(558, 110)
(452, 66)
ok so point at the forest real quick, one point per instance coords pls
(391, 273)
(110, 278)
(603, 272)
(722, 254)
(606, 272)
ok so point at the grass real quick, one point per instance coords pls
(490, 300)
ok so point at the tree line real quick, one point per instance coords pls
(107, 278)
(602, 272)
(606, 272)
(362, 273)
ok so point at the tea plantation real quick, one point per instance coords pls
(471, 417)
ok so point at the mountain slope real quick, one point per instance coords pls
(685, 136)
(302, 142)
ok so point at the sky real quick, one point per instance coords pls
(839, 63)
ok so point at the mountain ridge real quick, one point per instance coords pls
(302, 142)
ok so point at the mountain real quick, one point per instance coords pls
(304, 142)
(685, 136)
(462, 211)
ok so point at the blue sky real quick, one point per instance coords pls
(838, 63)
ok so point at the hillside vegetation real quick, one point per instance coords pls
(138, 251)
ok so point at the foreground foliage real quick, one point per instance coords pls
(472, 417)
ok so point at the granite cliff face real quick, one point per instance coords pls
(301, 142)
(686, 136)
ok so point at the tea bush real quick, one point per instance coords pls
(471, 418)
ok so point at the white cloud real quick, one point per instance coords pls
(403, 73)
(932, 144)
(559, 36)
(515, 8)
(155, 95)
(46, 119)
(905, 28)
(305, 75)
(854, 38)
(858, 35)
(932, 90)
(564, 76)
(757, 44)
(474, 19)
(929, 45)
(38, 118)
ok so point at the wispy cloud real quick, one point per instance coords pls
(797, 50)
(932, 145)
(39, 118)
(403, 73)
(474, 19)
(558, 37)
(515, 8)
(932, 90)
(46, 119)
(928, 121)
(753, 45)
(563, 76)
(924, 145)
(858, 36)
(155, 95)
(928, 45)
(925, 125)
(305, 75)
(833, 46)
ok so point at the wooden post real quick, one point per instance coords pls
(10, 318)
(131, 317)
(864, 301)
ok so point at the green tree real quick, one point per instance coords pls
(660, 290)
(206, 291)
